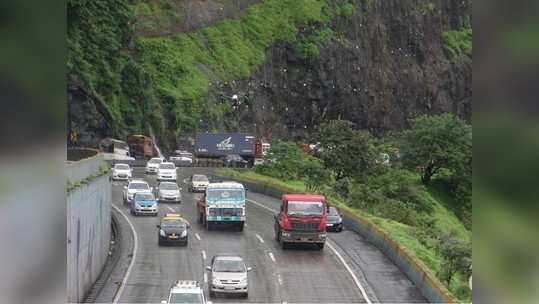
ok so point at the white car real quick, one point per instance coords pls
(135, 186)
(228, 274)
(167, 172)
(183, 157)
(169, 192)
(185, 292)
(153, 164)
(121, 172)
(198, 182)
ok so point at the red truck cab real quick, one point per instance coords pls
(302, 219)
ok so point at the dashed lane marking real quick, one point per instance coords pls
(280, 280)
(205, 278)
(259, 238)
(272, 257)
(134, 256)
(339, 256)
(171, 209)
(203, 254)
(197, 236)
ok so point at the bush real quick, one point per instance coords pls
(458, 43)
(314, 174)
(347, 10)
(284, 160)
(397, 211)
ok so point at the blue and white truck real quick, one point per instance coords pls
(222, 203)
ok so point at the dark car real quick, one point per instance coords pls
(173, 230)
(334, 220)
(234, 160)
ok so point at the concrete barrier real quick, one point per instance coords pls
(88, 213)
(89, 161)
(430, 287)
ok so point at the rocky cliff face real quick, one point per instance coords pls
(383, 66)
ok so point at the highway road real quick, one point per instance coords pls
(348, 270)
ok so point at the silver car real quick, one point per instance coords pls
(168, 192)
(228, 274)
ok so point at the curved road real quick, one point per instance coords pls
(304, 275)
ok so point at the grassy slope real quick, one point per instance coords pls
(404, 234)
(184, 66)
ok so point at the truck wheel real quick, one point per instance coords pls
(209, 226)
(200, 217)
(278, 236)
(320, 245)
(240, 226)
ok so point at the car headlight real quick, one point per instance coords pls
(130, 195)
(137, 205)
(162, 232)
(340, 220)
(243, 281)
(215, 281)
(184, 233)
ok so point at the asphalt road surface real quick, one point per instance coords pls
(348, 270)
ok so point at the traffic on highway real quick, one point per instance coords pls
(198, 240)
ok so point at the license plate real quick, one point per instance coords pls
(304, 239)
(174, 237)
(226, 218)
(229, 288)
(329, 225)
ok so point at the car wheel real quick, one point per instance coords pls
(340, 229)
(320, 245)
(246, 295)
(212, 294)
(160, 242)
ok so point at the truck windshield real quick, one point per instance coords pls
(305, 208)
(200, 178)
(228, 194)
(186, 298)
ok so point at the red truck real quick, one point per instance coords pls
(301, 219)
(141, 146)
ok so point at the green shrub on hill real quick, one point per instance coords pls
(458, 43)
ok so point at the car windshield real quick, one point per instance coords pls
(144, 197)
(333, 211)
(185, 298)
(172, 224)
(168, 186)
(221, 265)
(305, 208)
(229, 194)
(155, 161)
(121, 167)
(139, 186)
(200, 178)
(166, 166)
(186, 155)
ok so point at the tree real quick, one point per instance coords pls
(315, 175)
(435, 143)
(282, 161)
(457, 258)
(348, 152)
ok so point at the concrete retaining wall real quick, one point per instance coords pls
(425, 281)
(78, 170)
(88, 213)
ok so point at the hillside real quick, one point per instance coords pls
(292, 64)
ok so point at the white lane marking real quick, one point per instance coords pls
(280, 280)
(171, 209)
(358, 284)
(245, 224)
(203, 254)
(259, 238)
(134, 256)
(185, 180)
(205, 278)
(341, 259)
(197, 236)
(272, 257)
(260, 205)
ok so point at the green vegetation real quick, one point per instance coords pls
(458, 43)
(184, 66)
(156, 15)
(346, 168)
(97, 34)
(308, 45)
(347, 10)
